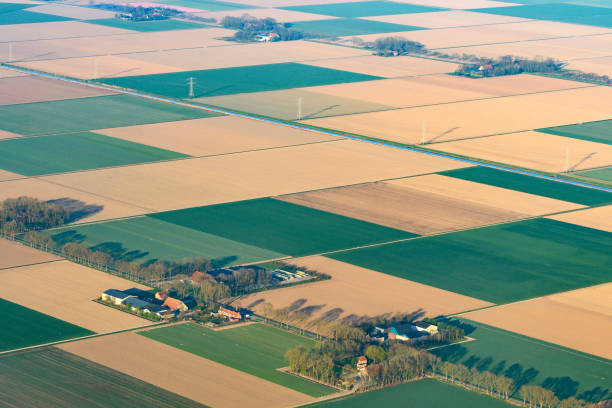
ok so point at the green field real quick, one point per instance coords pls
(77, 115)
(282, 227)
(11, 7)
(209, 5)
(23, 327)
(599, 174)
(599, 131)
(532, 185)
(529, 361)
(566, 13)
(50, 377)
(362, 9)
(27, 17)
(500, 264)
(350, 26)
(153, 25)
(284, 104)
(227, 81)
(144, 239)
(427, 393)
(254, 349)
(32, 156)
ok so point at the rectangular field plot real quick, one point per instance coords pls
(28, 17)
(548, 318)
(529, 361)
(279, 15)
(52, 376)
(599, 131)
(66, 291)
(362, 9)
(218, 135)
(500, 264)
(23, 327)
(255, 349)
(289, 103)
(25, 89)
(211, 5)
(349, 295)
(183, 373)
(568, 13)
(155, 25)
(597, 218)
(349, 26)
(147, 239)
(33, 156)
(90, 113)
(48, 31)
(227, 81)
(532, 185)
(14, 254)
(443, 19)
(77, 12)
(282, 227)
(604, 174)
(427, 393)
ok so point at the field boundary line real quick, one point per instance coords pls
(467, 340)
(32, 264)
(327, 132)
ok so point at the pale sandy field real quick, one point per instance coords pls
(597, 218)
(482, 194)
(103, 66)
(14, 254)
(386, 67)
(34, 187)
(579, 319)
(25, 89)
(360, 292)
(77, 12)
(217, 179)
(120, 42)
(217, 135)
(477, 118)
(534, 150)
(601, 66)
(279, 15)
(50, 30)
(435, 89)
(184, 373)
(66, 291)
(248, 54)
(403, 207)
(287, 3)
(7, 175)
(459, 4)
(9, 73)
(445, 19)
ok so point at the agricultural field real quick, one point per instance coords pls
(279, 15)
(567, 13)
(65, 290)
(350, 26)
(211, 5)
(526, 360)
(77, 115)
(537, 186)
(227, 81)
(597, 218)
(33, 156)
(25, 327)
(14, 254)
(349, 295)
(604, 174)
(281, 226)
(427, 393)
(444, 19)
(499, 264)
(27, 17)
(144, 26)
(52, 376)
(255, 349)
(76, 12)
(362, 9)
(599, 131)
(39, 35)
(183, 373)
(144, 239)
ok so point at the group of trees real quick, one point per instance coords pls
(509, 65)
(393, 46)
(250, 27)
(18, 215)
(403, 363)
(139, 13)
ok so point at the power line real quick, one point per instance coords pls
(191, 82)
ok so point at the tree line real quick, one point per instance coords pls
(250, 27)
(139, 13)
(509, 65)
(18, 215)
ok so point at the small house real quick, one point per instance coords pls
(362, 363)
(231, 315)
(160, 311)
(115, 296)
(175, 304)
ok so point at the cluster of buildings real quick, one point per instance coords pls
(404, 332)
(160, 304)
(289, 277)
(232, 316)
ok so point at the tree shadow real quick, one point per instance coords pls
(296, 304)
(594, 395)
(466, 327)
(64, 237)
(224, 261)
(76, 208)
(454, 353)
(520, 377)
(311, 310)
(255, 303)
(499, 367)
(332, 314)
(484, 364)
(117, 251)
(563, 387)
(471, 361)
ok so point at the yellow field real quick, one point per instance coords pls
(184, 373)
(14, 254)
(79, 13)
(444, 19)
(46, 31)
(597, 218)
(66, 290)
(7, 175)
(588, 312)
(26, 89)
(601, 65)
(460, 4)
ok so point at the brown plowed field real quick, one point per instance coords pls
(597, 218)
(216, 135)
(26, 89)
(444, 19)
(7, 175)
(579, 319)
(184, 373)
(459, 4)
(403, 207)
(500, 198)
(9, 73)
(534, 150)
(601, 66)
(76, 12)
(360, 292)
(232, 177)
(386, 67)
(477, 118)
(66, 290)
(14, 254)
(46, 31)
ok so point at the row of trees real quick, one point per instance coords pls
(393, 46)
(509, 65)
(139, 13)
(250, 27)
(18, 215)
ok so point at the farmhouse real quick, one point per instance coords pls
(230, 315)
(116, 296)
(362, 363)
(175, 304)
(160, 311)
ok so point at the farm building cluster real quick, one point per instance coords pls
(160, 304)
(417, 331)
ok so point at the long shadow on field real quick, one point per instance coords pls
(595, 395)
(64, 237)
(77, 209)
(117, 251)
(223, 262)
(563, 387)
(315, 114)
